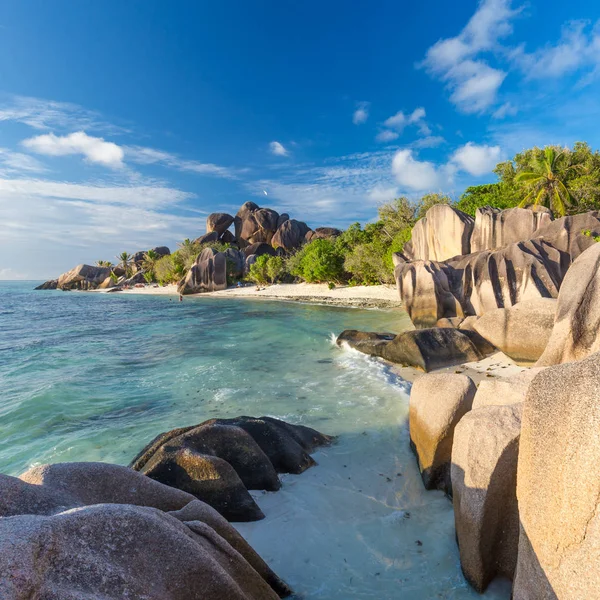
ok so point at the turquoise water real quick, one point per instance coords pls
(97, 376)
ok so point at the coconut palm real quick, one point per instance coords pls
(545, 181)
(103, 263)
(125, 261)
(149, 262)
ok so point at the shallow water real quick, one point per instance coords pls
(95, 377)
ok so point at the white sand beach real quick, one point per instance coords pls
(375, 296)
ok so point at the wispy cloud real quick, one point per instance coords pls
(278, 149)
(150, 156)
(473, 83)
(396, 124)
(47, 114)
(17, 162)
(361, 114)
(95, 149)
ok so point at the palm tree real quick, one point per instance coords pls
(103, 263)
(545, 181)
(148, 263)
(125, 261)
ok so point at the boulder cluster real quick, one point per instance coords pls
(519, 456)
(157, 531)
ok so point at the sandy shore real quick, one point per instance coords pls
(375, 296)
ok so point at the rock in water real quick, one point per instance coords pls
(521, 331)
(484, 482)
(51, 284)
(219, 460)
(576, 330)
(219, 222)
(558, 485)
(437, 404)
(495, 228)
(83, 277)
(83, 530)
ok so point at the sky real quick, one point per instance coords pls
(124, 124)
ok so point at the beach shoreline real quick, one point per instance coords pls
(376, 296)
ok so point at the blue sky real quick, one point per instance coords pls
(123, 124)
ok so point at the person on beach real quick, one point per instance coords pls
(180, 298)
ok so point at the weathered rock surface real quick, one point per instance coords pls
(208, 274)
(501, 391)
(258, 249)
(575, 332)
(495, 228)
(83, 530)
(566, 233)
(520, 331)
(83, 277)
(442, 233)
(425, 349)
(558, 485)
(208, 238)
(484, 481)
(236, 262)
(219, 460)
(290, 235)
(219, 222)
(51, 284)
(467, 326)
(437, 404)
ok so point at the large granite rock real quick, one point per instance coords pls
(258, 249)
(91, 530)
(576, 330)
(484, 481)
(520, 331)
(208, 238)
(502, 391)
(208, 274)
(425, 349)
(480, 282)
(219, 222)
(259, 226)
(51, 284)
(83, 277)
(442, 233)
(236, 262)
(566, 234)
(220, 460)
(558, 485)
(437, 404)
(290, 235)
(495, 228)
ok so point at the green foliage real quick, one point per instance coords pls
(169, 269)
(496, 195)
(276, 268)
(268, 269)
(429, 200)
(113, 277)
(317, 262)
(588, 233)
(125, 261)
(149, 276)
(103, 263)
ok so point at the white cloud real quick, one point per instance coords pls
(414, 174)
(432, 141)
(473, 83)
(361, 114)
(476, 159)
(576, 48)
(381, 194)
(507, 109)
(397, 123)
(278, 149)
(387, 136)
(94, 149)
(150, 156)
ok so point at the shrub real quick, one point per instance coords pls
(258, 272)
(318, 261)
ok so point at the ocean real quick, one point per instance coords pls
(94, 377)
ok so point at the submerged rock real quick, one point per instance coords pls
(558, 484)
(437, 404)
(484, 482)
(220, 460)
(575, 332)
(82, 530)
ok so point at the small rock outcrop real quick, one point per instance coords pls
(208, 274)
(521, 331)
(83, 277)
(51, 284)
(425, 349)
(220, 460)
(442, 233)
(290, 235)
(558, 484)
(502, 391)
(208, 238)
(83, 530)
(575, 332)
(437, 404)
(495, 228)
(484, 483)
(219, 222)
